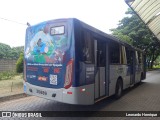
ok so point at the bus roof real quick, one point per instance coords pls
(105, 35)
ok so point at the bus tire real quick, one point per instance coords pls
(141, 79)
(119, 89)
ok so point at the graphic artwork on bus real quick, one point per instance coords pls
(45, 48)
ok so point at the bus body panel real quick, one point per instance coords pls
(139, 73)
(83, 95)
(124, 72)
(117, 71)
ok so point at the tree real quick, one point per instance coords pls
(132, 30)
(19, 64)
(6, 52)
(123, 37)
(16, 51)
(152, 53)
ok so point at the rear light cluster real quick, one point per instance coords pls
(68, 76)
(69, 92)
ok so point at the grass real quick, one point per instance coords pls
(156, 66)
(7, 75)
(11, 86)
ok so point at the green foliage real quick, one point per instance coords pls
(132, 30)
(19, 64)
(157, 61)
(6, 52)
(16, 51)
(7, 75)
(136, 31)
(123, 37)
(156, 66)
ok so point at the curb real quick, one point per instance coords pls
(12, 97)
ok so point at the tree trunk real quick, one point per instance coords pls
(151, 65)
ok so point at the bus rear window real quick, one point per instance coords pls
(58, 30)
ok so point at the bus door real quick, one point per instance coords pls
(133, 64)
(100, 65)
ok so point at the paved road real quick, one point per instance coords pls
(144, 97)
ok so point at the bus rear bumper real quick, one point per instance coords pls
(48, 93)
(82, 95)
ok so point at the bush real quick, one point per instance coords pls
(19, 64)
(156, 66)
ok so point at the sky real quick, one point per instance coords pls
(14, 14)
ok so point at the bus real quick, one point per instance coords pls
(69, 61)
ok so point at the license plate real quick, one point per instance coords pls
(41, 92)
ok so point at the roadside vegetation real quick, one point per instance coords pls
(133, 31)
(11, 86)
(11, 82)
(19, 64)
(6, 52)
(156, 66)
(7, 75)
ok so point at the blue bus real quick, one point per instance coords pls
(69, 61)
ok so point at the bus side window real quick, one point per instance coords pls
(114, 49)
(137, 60)
(128, 55)
(87, 47)
(123, 55)
(140, 57)
(101, 53)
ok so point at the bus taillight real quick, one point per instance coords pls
(68, 76)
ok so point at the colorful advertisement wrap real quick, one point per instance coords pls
(48, 49)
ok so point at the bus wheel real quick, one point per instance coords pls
(141, 78)
(119, 89)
